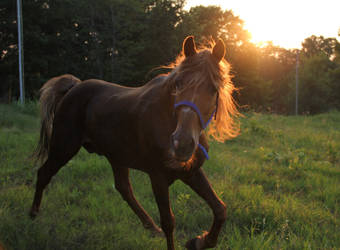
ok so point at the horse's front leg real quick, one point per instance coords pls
(200, 184)
(160, 187)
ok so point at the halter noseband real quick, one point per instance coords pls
(198, 112)
(196, 109)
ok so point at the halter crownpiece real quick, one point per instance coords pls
(198, 112)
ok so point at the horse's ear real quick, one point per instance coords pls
(219, 50)
(189, 47)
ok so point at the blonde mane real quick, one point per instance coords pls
(204, 67)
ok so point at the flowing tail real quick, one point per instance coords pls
(51, 94)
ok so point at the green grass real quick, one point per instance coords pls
(280, 180)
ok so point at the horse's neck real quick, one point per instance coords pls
(155, 96)
(155, 108)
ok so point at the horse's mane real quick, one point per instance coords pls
(202, 69)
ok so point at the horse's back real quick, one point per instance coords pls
(105, 114)
(93, 87)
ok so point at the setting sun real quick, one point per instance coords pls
(285, 23)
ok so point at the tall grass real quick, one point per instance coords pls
(280, 180)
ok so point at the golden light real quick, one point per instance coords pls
(273, 27)
(286, 23)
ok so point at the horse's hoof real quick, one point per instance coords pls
(197, 243)
(157, 232)
(191, 244)
(154, 229)
(194, 244)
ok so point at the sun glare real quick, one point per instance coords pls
(285, 23)
(268, 27)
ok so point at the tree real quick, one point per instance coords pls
(212, 22)
(316, 83)
(314, 45)
(115, 40)
(122, 40)
(8, 50)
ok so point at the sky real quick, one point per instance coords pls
(284, 22)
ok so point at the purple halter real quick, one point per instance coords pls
(196, 109)
(203, 124)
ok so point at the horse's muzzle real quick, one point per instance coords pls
(182, 147)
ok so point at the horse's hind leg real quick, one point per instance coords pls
(45, 174)
(123, 185)
(65, 143)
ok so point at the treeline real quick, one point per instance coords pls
(123, 40)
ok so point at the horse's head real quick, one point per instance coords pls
(199, 87)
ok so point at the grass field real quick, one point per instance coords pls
(280, 180)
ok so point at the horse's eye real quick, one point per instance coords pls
(213, 90)
(178, 83)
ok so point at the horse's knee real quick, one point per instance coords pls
(221, 213)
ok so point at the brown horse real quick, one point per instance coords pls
(156, 128)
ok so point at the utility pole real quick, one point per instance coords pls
(297, 84)
(21, 52)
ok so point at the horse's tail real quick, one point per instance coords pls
(51, 94)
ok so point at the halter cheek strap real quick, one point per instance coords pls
(203, 150)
